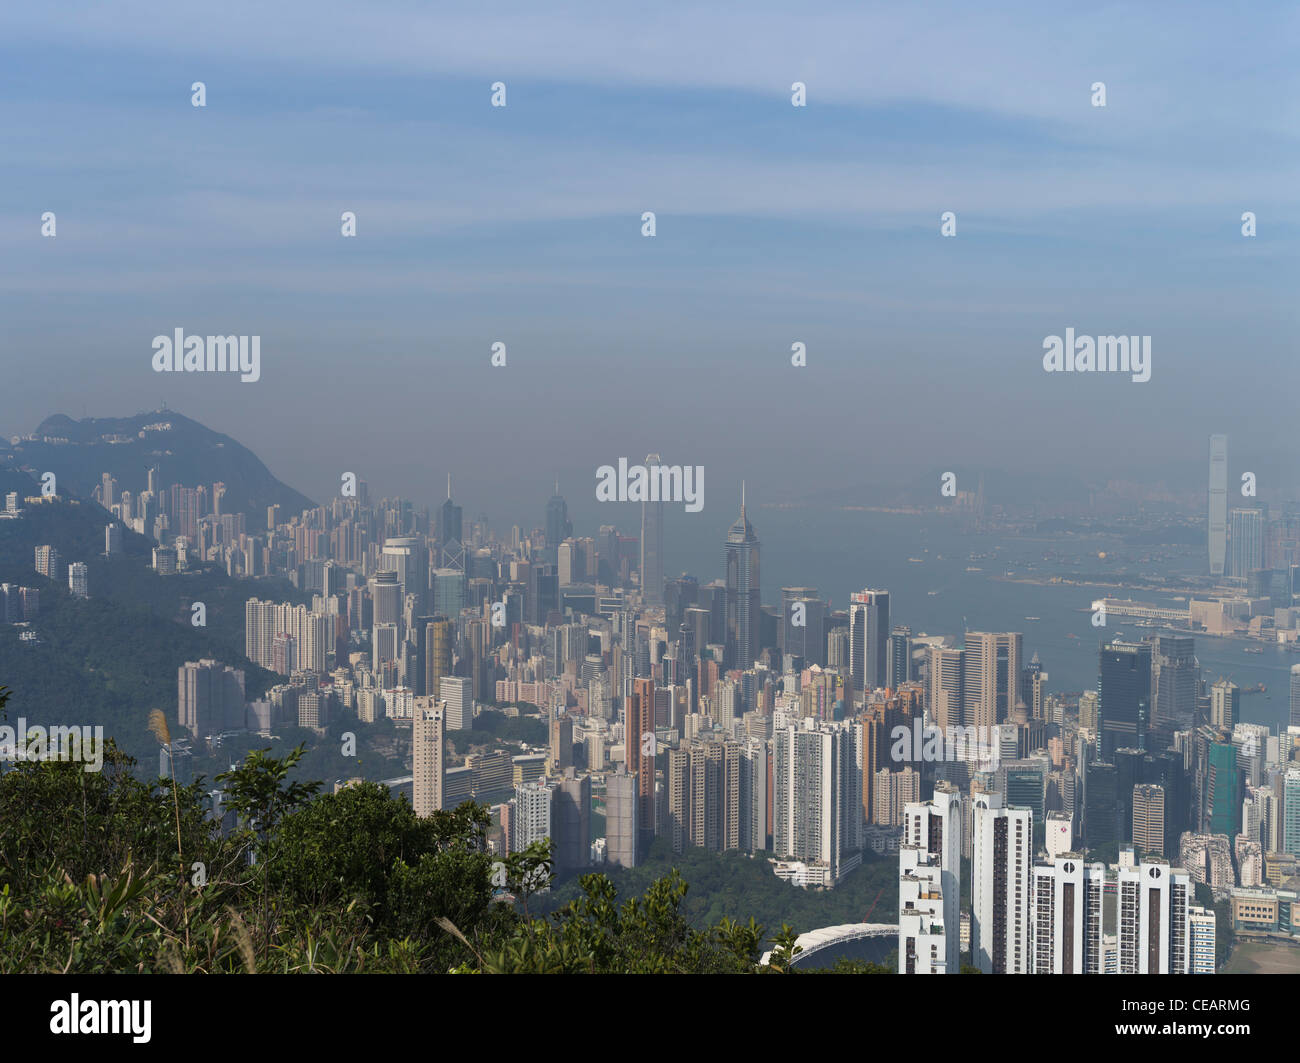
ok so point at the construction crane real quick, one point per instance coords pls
(867, 918)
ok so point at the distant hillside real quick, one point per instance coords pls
(111, 658)
(185, 452)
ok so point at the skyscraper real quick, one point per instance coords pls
(1149, 819)
(640, 750)
(1218, 524)
(1068, 916)
(1154, 919)
(438, 636)
(450, 532)
(869, 638)
(743, 604)
(898, 665)
(1001, 865)
(1174, 675)
(1225, 704)
(992, 679)
(935, 827)
(558, 526)
(621, 824)
(1245, 542)
(1295, 695)
(803, 624)
(427, 757)
(652, 546)
(1124, 696)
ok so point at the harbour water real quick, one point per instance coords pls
(961, 583)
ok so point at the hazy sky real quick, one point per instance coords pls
(775, 224)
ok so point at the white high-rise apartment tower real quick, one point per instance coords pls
(1155, 902)
(1001, 870)
(934, 827)
(1067, 916)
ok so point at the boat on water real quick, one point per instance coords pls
(973, 568)
(1253, 649)
(931, 593)
(1033, 618)
(917, 560)
(1071, 636)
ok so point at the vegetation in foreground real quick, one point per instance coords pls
(103, 872)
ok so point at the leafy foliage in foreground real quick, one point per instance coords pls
(102, 872)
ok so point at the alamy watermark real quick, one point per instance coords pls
(651, 483)
(1104, 354)
(929, 743)
(180, 353)
(84, 744)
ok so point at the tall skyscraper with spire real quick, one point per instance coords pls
(744, 602)
(558, 526)
(652, 546)
(450, 532)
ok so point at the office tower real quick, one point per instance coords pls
(640, 750)
(743, 597)
(1291, 812)
(869, 639)
(991, 689)
(1124, 696)
(439, 634)
(78, 580)
(407, 557)
(386, 598)
(532, 816)
(1225, 704)
(1222, 791)
(1033, 689)
(47, 562)
(1295, 696)
(427, 741)
(561, 744)
(927, 939)
(806, 639)
(1174, 679)
(1153, 919)
(456, 693)
(898, 657)
(450, 590)
(622, 827)
(450, 534)
(1068, 916)
(652, 545)
(1245, 542)
(571, 822)
(558, 526)
(947, 679)
(1149, 819)
(112, 539)
(383, 646)
(934, 827)
(1201, 926)
(1001, 862)
(209, 697)
(1100, 805)
(1218, 521)
(1089, 712)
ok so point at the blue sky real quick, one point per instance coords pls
(775, 224)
